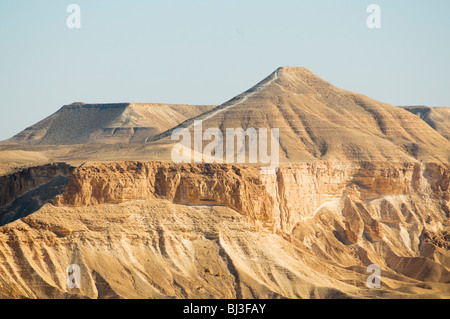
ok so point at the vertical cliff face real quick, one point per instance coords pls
(223, 230)
(300, 191)
(364, 194)
(24, 192)
(17, 184)
(209, 184)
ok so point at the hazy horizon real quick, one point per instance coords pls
(206, 52)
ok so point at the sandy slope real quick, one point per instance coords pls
(80, 123)
(437, 117)
(316, 120)
(319, 121)
(155, 249)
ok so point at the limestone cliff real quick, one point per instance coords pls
(162, 230)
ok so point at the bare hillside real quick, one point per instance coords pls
(319, 121)
(437, 117)
(80, 123)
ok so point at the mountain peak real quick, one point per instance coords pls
(288, 77)
(297, 72)
(293, 69)
(301, 80)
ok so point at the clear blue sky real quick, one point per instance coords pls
(207, 51)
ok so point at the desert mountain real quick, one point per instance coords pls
(316, 120)
(361, 183)
(80, 123)
(437, 117)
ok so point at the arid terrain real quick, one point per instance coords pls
(360, 182)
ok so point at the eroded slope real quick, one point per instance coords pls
(80, 123)
(162, 230)
(437, 117)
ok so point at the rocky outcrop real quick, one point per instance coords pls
(24, 192)
(281, 200)
(158, 230)
(17, 184)
(209, 184)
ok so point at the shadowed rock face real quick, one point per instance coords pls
(33, 200)
(19, 183)
(158, 230)
(437, 117)
(25, 192)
